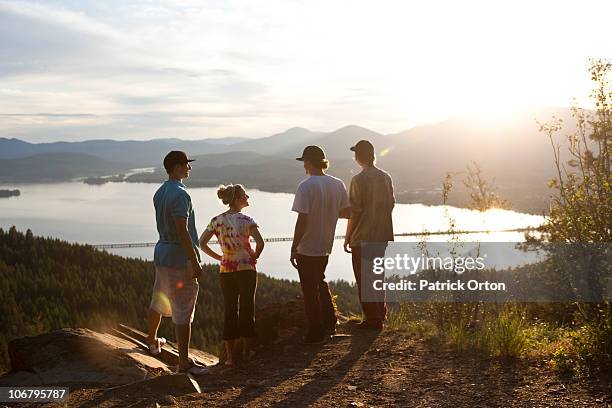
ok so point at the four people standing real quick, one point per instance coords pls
(320, 200)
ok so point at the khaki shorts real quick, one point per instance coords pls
(175, 293)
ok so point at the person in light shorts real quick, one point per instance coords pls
(177, 261)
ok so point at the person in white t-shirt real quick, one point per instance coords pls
(319, 201)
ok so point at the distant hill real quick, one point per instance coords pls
(511, 151)
(136, 152)
(509, 148)
(48, 167)
(275, 175)
(283, 144)
(337, 143)
(222, 159)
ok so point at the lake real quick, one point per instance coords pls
(124, 213)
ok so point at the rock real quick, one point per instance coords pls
(170, 386)
(77, 356)
(279, 320)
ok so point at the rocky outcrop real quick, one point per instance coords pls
(277, 321)
(81, 356)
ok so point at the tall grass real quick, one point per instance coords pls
(497, 332)
(581, 344)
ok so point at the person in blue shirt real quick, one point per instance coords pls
(177, 261)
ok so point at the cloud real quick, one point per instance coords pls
(38, 39)
(235, 68)
(48, 115)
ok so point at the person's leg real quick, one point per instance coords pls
(246, 314)
(312, 306)
(328, 313)
(371, 310)
(356, 260)
(230, 288)
(160, 305)
(380, 309)
(154, 321)
(183, 294)
(183, 337)
(230, 352)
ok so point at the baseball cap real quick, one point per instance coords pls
(175, 157)
(363, 146)
(312, 153)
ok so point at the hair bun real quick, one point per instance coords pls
(221, 192)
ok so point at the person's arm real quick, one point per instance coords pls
(180, 224)
(392, 193)
(204, 238)
(259, 242)
(345, 206)
(355, 211)
(347, 236)
(298, 233)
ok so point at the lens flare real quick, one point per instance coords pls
(385, 151)
(162, 303)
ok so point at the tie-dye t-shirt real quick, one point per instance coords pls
(232, 231)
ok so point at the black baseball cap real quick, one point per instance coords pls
(363, 146)
(312, 153)
(174, 158)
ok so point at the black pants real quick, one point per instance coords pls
(320, 314)
(239, 299)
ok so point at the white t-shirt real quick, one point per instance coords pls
(322, 198)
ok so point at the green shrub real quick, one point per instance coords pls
(507, 336)
(593, 342)
(563, 360)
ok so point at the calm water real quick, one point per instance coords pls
(123, 213)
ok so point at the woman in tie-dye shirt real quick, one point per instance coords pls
(233, 230)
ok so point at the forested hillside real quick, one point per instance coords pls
(47, 284)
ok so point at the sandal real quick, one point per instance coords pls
(156, 348)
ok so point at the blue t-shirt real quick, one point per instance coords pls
(172, 200)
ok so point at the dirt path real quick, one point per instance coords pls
(365, 369)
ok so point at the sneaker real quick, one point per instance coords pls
(156, 348)
(194, 369)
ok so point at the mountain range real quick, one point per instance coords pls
(509, 149)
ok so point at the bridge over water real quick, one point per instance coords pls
(288, 239)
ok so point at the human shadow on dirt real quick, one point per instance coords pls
(324, 381)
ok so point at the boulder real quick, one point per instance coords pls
(78, 356)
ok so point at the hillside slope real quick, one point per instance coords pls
(136, 152)
(354, 369)
(48, 284)
(51, 167)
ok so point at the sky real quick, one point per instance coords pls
(77, 70)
